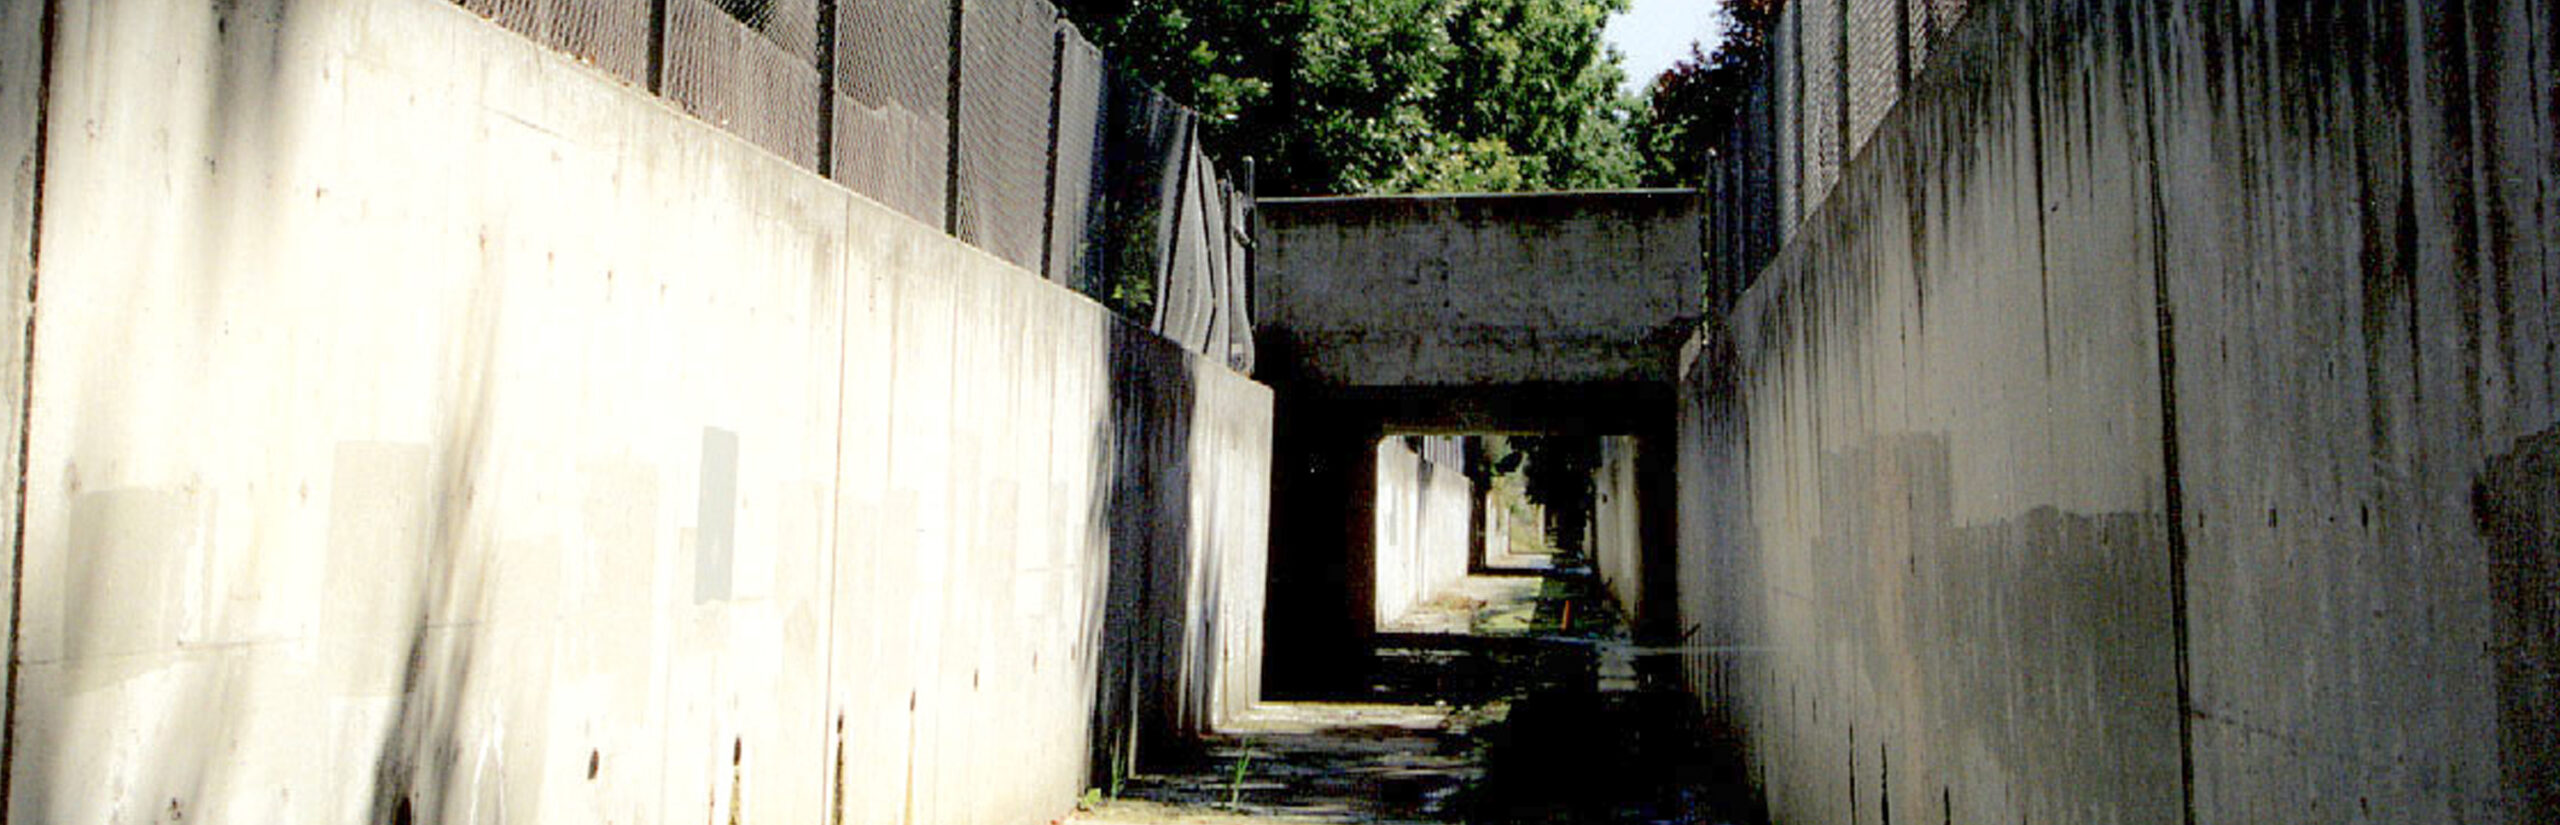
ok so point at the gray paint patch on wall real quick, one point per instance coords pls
(619, 511)
(2517, 502)
(376, 571)
(132, 590)
(716, 533)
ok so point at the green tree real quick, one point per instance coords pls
(1535, 76)
(1691, 108)
(1559, 474)
(1357, 118)
(1368, 96)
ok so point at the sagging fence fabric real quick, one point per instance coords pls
(992, 119)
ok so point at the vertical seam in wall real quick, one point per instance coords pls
(47, 29)
(2173, 485)
(951, 129)
(830, 794)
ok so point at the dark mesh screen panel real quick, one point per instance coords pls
(1075, 207)
(1759, 149)
(743, 79)
(1786, 53)
(612, 35)
(790, 24)
(1007, 47)
(893, 82)
(1946, 14)
(1143, 160)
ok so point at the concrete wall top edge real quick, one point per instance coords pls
(862, 208)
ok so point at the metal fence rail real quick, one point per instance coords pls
(992, 119)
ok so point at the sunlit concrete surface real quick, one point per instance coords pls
(435, 429)
(2139, 431)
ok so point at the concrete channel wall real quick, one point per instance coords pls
(1617, 526)
(432, 429)
(1423, 512)
(21, 99)
(2155, 425)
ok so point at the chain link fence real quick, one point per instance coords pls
(991, 119)
(1008, 80)
(611, 35)
(1835, 70)
(1079, 123)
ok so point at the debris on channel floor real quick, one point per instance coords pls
(1486, 706)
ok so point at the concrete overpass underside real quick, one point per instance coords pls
(1549, 313)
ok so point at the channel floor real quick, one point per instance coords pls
(1507, 699)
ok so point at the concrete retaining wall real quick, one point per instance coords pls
(21, 72)
(1423, 511)
(2157, 424)
(1617, 538)
(433, 429)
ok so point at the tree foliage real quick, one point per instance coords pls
(1387, 96)
(1371, 96)
(1691, 108)
(1558, 472)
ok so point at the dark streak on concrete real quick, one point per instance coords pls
(2349, 294)
(1139, 719)
(46, 32)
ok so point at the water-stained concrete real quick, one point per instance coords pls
(436, 429)
(2144, 429)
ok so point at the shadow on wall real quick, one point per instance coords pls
(145, 631)
(409, 557)
(2043, 642)
(2517, 502)
(1320, 598)
(2053, 624)
(413, 771)
(1150, 594)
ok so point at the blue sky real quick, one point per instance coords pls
(1655, 33)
